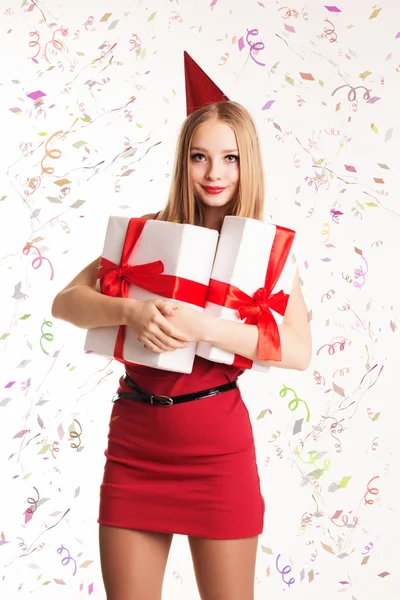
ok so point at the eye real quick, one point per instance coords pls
(196, 155)
(235, 158)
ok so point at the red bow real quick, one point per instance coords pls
(115, 280)
(257, 309)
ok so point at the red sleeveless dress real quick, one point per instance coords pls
(188, 469)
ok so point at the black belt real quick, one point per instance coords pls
(161, 400)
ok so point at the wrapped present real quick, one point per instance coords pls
(250, 282)
(148, 259)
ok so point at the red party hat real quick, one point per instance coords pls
(200, 89)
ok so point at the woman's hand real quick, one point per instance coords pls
(187, 319)
(148, 321)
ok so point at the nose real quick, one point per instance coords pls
(213, 171)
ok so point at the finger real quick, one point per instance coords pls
(170, 330)
(149, 345)
(169, 342)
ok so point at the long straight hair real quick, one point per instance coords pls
(182, 205)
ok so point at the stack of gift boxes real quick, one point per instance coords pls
(243, 274)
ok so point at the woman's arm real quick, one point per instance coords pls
(240, 338)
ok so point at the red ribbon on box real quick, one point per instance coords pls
(257, 309)
(115, 280)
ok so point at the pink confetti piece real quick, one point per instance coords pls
(384, 574)
(59, 581)
(9, 384)
(397, 35)
(268, 105)
(241, 43)
(21, 433)
(393, 326)
(333, 8)
(36, 95)
(350, 168)
(290, 28)
(213, 3)
(373, 99)
(90, 589)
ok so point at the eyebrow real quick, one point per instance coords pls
(222, 151)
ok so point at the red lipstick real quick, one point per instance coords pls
(213, 189)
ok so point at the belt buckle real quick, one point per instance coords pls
(162, 400)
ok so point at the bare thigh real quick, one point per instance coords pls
(133, 562)
(224, 569)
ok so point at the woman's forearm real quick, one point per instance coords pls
(84, 307)
(242, 339)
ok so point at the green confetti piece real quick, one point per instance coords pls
(365, 74)
(78, 203)
(139, 125)
(105, 17)
(262, 414)
(375, 13)
(289, 79)
(5, 336)
(44, 449)
(376, 416)
(343, 483)
(374, 128)
(25, 317)
(42, 133)
(79, 144)
(266, 550)
(143, 54)
(321, 82)
(151, 17)
(54, 200)
(316, 474)
(371, 204)
(86, 120)
(360, 205)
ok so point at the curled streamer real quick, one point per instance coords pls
(55, 154)
(368, 548)
(326, 232)
(330, 32)
(345, 521)
(373, 491)
(318, 378)
(32, 509)
(342, 371)
(74, 434)
(328, 295)
(314, 455)
(135, 41)
(293, 404)
(177, 576)
(356, 213)
(34, 184)
(370, 414)
(299, 101)
(274, 436)
(289, 12)
(359, 273)
(34, 43)
(56, 43)
(55, 448)
(305, 14)
(254, 46)
(89, 21)
(335, 214)
(374, 444)
(38, 261)
(286, 570)
(279, 451)
(352, 94)
(347, 278)
(332, 131)
(332, 349)
(176, 17)
(47, 336)
(67, 559)
(224, 59)
(296, 162)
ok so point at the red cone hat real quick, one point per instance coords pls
(200, 89)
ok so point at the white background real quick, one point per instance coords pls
(325, 158)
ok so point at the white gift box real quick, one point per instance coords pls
(241, 260)
(187, 251)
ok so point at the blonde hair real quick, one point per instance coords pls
(182, 205)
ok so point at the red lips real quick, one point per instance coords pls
(213, 190)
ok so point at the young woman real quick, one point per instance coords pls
(189, 468)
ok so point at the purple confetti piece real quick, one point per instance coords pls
(397, 35)
(90, 589)
(392, 326)
(241, 43)
(268, 105)
(333, 8)
(36, 95)
(373, 100)
(10, 384)
(290, 28)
